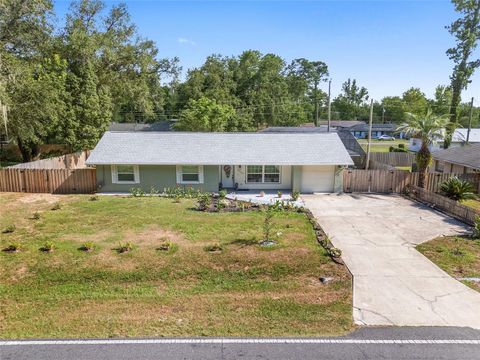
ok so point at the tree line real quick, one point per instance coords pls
(66, 84)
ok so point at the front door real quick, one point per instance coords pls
(227, 176)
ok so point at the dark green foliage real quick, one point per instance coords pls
(457, 189)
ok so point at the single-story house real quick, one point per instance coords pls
(458, 160)
(459, 138)
(307, 162)
(341, 124)
(361, 131)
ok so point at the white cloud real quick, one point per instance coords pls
(182, 40)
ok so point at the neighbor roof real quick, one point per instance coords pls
(375, 127)
(342, 123)
(467, 155)
(170, 148)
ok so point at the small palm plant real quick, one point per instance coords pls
(428, 128)
(457, 189)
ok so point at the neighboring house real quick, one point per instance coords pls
(342, 124)
(459, 138)
(458, 160)
(354, 149)
(361, 131)
(156, 126)
(307, 162)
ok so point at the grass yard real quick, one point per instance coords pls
(243, 290)
(381, 145)
(458, 256)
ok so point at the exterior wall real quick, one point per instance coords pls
(318, 178)
(338, 182)
(285, 180)
(296, 178)
(159, 176)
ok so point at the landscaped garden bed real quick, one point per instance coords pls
(181, 272)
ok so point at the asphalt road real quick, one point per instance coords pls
(366, 343)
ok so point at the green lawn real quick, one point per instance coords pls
(382, 145)
(458, 256)
(244, 290)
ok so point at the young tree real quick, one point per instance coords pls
(414, 101)
(205, 114)
(428, 128)
(442, 99)
(466, 30)
(351, 102)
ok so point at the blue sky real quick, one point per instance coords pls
(388, 46)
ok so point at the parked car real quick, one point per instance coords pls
(386, 137)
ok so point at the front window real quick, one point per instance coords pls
(263, 174)
(189, 174)
(125, 174)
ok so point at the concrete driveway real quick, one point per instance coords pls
(393, 283)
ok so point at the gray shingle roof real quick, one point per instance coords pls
(467, 155)
(168, 148)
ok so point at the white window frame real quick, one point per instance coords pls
(136, 175)
(263, 175)
(180, 173)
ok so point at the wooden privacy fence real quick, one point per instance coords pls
(451, 207)
(393, 158)
(68, 161)
(55, 181)
(394, 181)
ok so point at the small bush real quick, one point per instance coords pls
(181, 192)
(213, 248)
(222, 194)
(136, 192)
(204, 202)
(167, 246)
(9, 229)
(401, 146)
(295, 195)
(476, 228)
(88, 246)
(48, 247)
(334, 252)
(457, 189)
(56, 206)
(36, 215)
(222, 204)
(12, 247)
(153, 191)
(125, 247)
(279, 194)
(94, 198)
(177, 199)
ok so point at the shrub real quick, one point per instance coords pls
(12, 247)
(153, 191)
(94, 198)
(181, 192)
(136, 192)
(36, 215)
(279, 194)
(222, 194)
(125, 247)
(334, 252)
(48, 247)
(222, 204)
(56, 206)
(401, 146)
(476, 228)
(457, 189)
(88, 246)
(213, 248)
(167, 246)
(9, 229)
(177, 198)
(295, 195)
(204, 202)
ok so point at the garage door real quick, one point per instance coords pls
(318, 179)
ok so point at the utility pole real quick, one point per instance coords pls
(383, 114)
(329, 104)
(470, 120)
(369, 135)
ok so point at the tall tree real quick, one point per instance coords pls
(442, 99)
(427, 127)
(414, 101)
(310, 73)
(350, 104)
(466, 30)
(205, 114)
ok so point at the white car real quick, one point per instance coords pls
(386, 137)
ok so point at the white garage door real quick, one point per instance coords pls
(318, 179)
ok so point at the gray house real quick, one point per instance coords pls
(308, 162)
(458, 160)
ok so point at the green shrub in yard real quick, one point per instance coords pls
(457, 189)
(56, 206)
(295, 195)
(222, 194)
(181, 192)
(36, 215)
(12, 247)
(476, 228)
(88, 246)
(167, 246)
(9, 229)
(204, 201)
(137, 192)
(125, 247)
(48, 247)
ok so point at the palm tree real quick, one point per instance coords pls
(428, 128)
